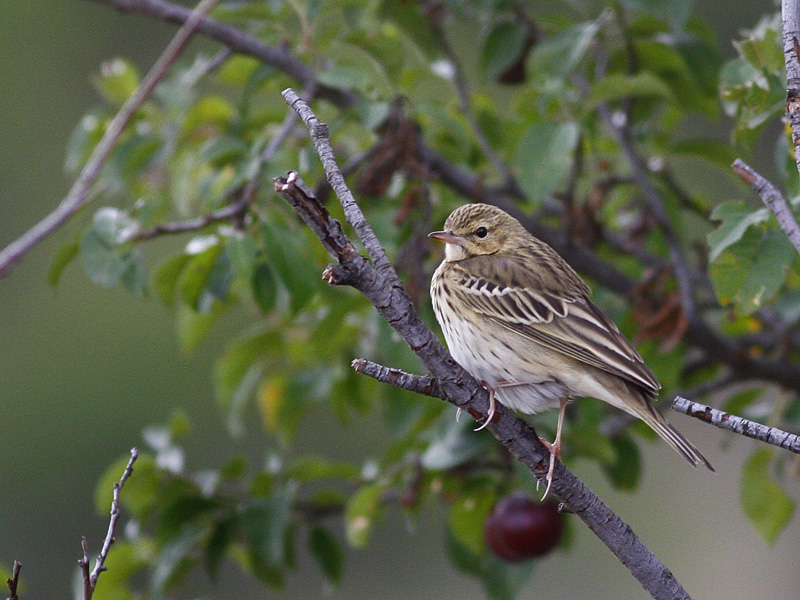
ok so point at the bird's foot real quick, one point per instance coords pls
(555, 453)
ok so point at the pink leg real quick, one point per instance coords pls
(554, 448)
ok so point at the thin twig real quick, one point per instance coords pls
(464, 93)
(772, 197)
(621, 134)
(90, 578)
(383, 288)
(742, 426)
(223, 214)
(13, 581)
(78, 195)
(352, 212)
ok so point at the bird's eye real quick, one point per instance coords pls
(481, 232)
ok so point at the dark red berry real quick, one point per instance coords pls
(518, 528)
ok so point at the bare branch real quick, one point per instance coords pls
(772, 197)
(13, 581)
(90, 578)
(790, 12)
(421, 384)
(78, 195)
(228, 212)
(383, 288)
(745, 427)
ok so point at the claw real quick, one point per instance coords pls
(490, 414)
(458, 414)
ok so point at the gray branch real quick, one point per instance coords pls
(90, 578)
(745, 427)
(790, 12)
(772, 198)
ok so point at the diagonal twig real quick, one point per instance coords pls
(78, 195)
(772, 198)
(745, 427)
(90, 578)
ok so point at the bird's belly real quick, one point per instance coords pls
(520, 376)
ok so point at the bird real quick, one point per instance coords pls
(518, 318)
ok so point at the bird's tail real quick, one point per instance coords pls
(647, 412)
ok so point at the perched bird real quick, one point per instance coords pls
(518, 318)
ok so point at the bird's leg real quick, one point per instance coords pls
(492, 406)
(554, 448)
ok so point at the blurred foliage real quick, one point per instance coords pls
(537, 82)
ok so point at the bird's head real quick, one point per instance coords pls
(479, 229)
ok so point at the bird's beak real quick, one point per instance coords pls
(445, 236)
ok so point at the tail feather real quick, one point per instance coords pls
(672, 436)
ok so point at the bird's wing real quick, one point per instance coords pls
(554, 312)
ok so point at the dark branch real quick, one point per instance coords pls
(13, 581)
(745, 427)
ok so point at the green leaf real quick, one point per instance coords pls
(767, 506)
(627, 469)
(222, 536)
(265, 524)
(193, 326)
(221, 151)
(715, 152)
(265, 288)
(454, 446)
(103, 264)
(501, 48)
(328, 553)
(139, 493)
(751, 271)
(557, 56)
(175, 560)
(196, 274)
(165, 280)
(544, 157)
(290, 257)
(64, 256)
(362, 510)
(736, 217)
(103, 252)
(763, 50)
(619, 85)
(502, 580)
(676, 11)
(122, 564)
(117, 81)
(467, 517)
(314, 468)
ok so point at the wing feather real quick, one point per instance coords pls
(563, 320)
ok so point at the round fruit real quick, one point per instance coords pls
(518, 528)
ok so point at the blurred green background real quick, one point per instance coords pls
(83, 370)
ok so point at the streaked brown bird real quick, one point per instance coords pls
(518, 318)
